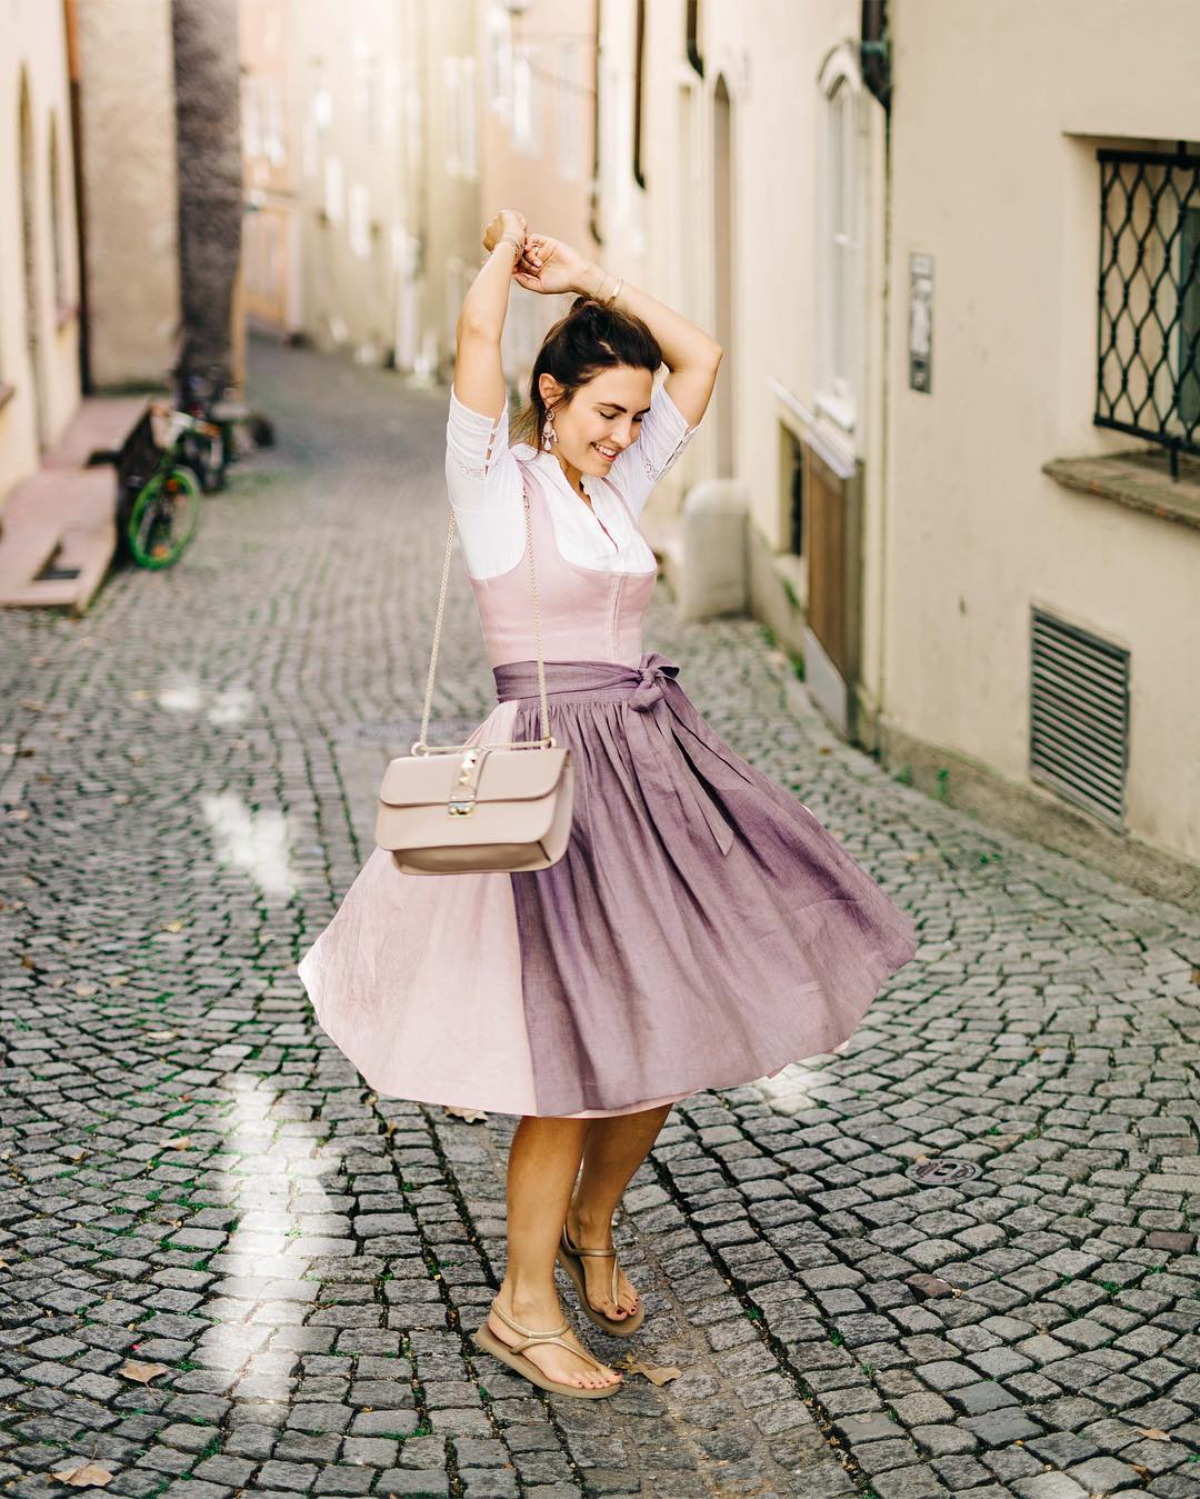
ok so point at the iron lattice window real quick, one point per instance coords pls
(1148, 364)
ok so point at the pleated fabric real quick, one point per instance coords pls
(703, 928)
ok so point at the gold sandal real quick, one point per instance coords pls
(511, 1355)
(570, 1258)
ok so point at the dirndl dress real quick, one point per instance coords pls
(702, 930)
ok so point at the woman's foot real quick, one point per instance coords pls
(597, 1268)
(551, 1358)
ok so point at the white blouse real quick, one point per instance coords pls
(484, 484)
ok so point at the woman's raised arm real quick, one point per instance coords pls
(478, 372)
(691, 355)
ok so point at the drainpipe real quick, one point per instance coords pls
(876, 51)
(594, 226)
(876, 63)
(83, 322)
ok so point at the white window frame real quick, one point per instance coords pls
(499, 62)
(570, 108)
(468, 104)
(524, 100)
(841, 219)
(461, 117)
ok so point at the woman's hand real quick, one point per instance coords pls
(507, 222)
(549, 266)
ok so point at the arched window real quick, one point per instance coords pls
(841, 174)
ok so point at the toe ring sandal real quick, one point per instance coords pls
(570, 1258)
(511, 1355)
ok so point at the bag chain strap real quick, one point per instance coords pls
(546, 741)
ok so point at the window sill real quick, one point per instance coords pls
(1140, 480)
(839, 409)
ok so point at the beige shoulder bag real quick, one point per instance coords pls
(478, 808)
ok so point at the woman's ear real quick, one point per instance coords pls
(549, 389)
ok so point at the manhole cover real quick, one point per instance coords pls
(942, 1172)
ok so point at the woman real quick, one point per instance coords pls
(702, 930)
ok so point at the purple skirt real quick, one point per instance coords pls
(703, 928)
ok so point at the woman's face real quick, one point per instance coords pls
(602, 418)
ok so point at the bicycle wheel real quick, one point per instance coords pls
(164, 517)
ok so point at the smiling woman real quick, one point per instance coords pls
(702, 928)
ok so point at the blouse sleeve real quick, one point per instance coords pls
(663, 436)
(484, 486)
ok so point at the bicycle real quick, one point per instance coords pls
(158, 494)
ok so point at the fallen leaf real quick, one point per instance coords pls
(143, 1373)
(20, 814)
(83, 1475)
(77, 1155)
(1154, 1434)
(470, 1115)
(27, 961)
(117, 982)
(173, 926)
(33, 704)
(654, 1374)
(83, 990)
(181, 1143)
(162, 1035)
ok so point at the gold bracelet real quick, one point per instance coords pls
(616, 292)
(519, 246)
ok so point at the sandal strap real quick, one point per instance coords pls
(574, 1249)
(528, 1337)
(578, 1352)
(528, 1332)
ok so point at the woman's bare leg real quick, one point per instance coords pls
(614, 1150)
(543, 1161)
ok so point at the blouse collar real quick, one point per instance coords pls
(527, 453)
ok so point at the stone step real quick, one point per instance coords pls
(61, 516)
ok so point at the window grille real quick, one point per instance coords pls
(1148, 355)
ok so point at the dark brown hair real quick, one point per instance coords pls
(589, 338)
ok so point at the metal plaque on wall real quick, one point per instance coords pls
(920, 321)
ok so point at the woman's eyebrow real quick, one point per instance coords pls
(617, 407)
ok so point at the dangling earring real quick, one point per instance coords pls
(549, 435)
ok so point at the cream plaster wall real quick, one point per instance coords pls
(130, 188)
(995, 176)
(35, 51)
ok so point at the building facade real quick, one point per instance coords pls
(361, 149)
(1039, 642)
(538, 81)
(39, 258)
(924, 366)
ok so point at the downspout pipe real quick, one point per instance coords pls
(876, 51)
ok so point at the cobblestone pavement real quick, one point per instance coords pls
(195, 1179)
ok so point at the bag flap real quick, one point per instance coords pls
(505, 775)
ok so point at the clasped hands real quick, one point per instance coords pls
(544, 264)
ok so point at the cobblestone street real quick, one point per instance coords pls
(196, 1180)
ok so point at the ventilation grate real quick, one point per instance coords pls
(1079, 716)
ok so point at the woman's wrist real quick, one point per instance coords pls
(593, 280)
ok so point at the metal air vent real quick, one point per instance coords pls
(1079, 716)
